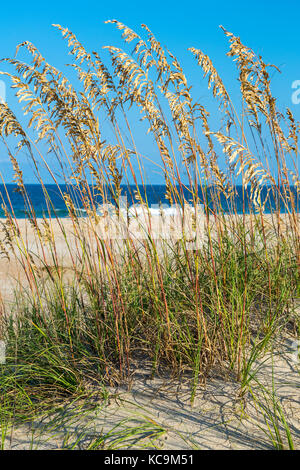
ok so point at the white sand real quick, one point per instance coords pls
(217, 420)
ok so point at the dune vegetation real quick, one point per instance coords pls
(185, 310)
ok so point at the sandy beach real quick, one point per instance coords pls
(160, 409)
(68, 248)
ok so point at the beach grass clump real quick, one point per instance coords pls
(113, 302)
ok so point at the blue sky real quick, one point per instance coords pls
(271, 28)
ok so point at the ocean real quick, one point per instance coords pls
(155, 195)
